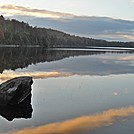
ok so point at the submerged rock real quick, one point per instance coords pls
(15, 91)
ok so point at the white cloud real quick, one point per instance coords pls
(20, 10)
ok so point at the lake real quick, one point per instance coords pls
(74, 91)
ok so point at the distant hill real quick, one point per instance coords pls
(13, 32)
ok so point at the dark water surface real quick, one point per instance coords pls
(74, 91)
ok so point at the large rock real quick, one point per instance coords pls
(23, 110)
(15, 91)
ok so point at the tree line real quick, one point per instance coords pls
(13, 32)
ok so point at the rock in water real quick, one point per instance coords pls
(23, 110)
(15, 91)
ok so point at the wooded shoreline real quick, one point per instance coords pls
(20, 34)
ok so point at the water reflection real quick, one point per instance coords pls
(13, 58)
(80, 87)
(35, 75)
(23, 110)
(80, 125)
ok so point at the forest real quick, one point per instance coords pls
(13, 32)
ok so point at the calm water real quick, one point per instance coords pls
(83, 92)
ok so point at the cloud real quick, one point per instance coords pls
(121, 58)
(80, 124)
(35, 75)
(126, 58)
(129, 37)
(132, 1)
(20, 10)
(116, 36)
(115, 93)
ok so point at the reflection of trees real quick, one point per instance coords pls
(13, 58)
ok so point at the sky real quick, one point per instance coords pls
(121, 9)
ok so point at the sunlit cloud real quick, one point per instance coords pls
(9, 9)
(121, 58)
(81, 124)
(35, 75)
(116, 36)
(127, 36)
(126, 58)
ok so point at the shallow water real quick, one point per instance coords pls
(73, 91)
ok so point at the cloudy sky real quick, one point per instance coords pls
(105, 19)
(122, 9)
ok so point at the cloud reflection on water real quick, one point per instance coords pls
(80, 124)
(119, 58)
(35, 75)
